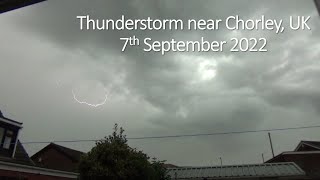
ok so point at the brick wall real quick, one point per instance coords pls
(27, 176)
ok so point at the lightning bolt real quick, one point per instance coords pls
(89, 104)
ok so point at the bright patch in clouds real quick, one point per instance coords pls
(200, 68)
(207, 70)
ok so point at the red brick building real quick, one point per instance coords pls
(57, 157)
(14, 161)
(14, 171)
(306, 155)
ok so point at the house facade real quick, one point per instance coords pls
(15, 171)
(14, 160)
(54, 156)
(306, 155)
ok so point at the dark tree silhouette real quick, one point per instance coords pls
(112, 158)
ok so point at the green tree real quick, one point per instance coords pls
(112, 158)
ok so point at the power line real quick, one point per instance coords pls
(180, 136)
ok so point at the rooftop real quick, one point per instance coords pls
(238, 171)
(71, 153)
(9, 121)
(20, 156)
(8, 5)
(315, 144)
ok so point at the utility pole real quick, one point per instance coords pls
(262, 158)
(220, 161)
(271, 144)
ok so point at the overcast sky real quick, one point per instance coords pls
(44, 57)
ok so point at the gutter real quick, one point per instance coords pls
(36, 170)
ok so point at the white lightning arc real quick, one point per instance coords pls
(89, 104)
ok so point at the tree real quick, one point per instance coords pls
(112, 158)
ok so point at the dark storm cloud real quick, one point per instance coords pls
(179, 93)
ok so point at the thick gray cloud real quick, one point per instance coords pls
(44, 56)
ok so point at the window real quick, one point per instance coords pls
(7, 139)
(7, 142)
